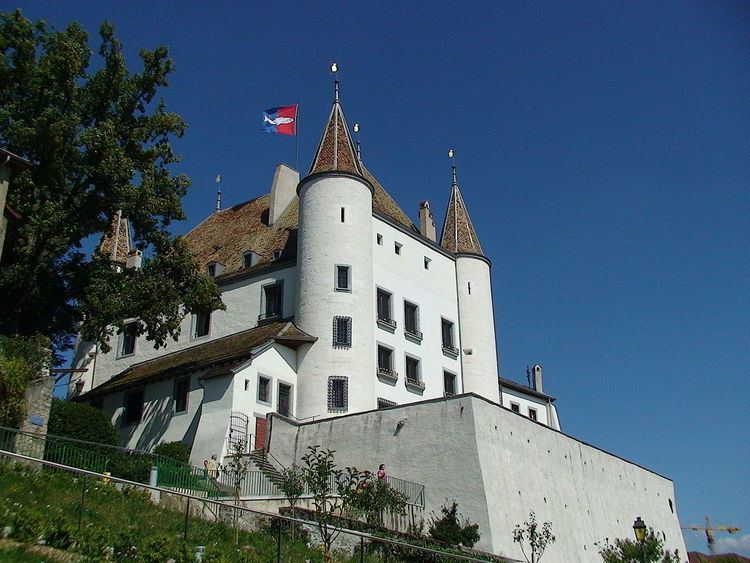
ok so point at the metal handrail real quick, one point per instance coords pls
(363, 535)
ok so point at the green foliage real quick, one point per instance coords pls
(650, 550)
(372, 497)
(131, 466)
(21, 361)
(537, 538)
(450, 530)
(177, 451)
(81, 422)
(98, 138)
(41, 505)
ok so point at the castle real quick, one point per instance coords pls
(348, 325)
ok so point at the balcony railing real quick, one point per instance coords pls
(387, 324)
(450, 350)
(414, 384)
(387, 373)
(413, 334)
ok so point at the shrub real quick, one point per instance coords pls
(174, 450)
(450, 530)
(21, 360)
(81, 422)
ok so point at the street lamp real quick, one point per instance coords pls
(639, 527)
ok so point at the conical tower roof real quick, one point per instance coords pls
(336, 151)
(115, 243)
(458, 234)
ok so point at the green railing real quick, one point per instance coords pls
(134, 465)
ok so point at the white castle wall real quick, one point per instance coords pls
(243, 301)
(498, 466)
(323, 241)
(475, 308)
(433, 290)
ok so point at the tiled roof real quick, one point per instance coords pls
(233, 349)
(336, 150)
(458, 232)
(224, 236)
(115, 243)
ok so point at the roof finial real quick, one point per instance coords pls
(359, 152)
(218, 193)
(335, 71)
(453, 166)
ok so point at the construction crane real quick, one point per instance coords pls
(709, 530)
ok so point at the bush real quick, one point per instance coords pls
(81, 422)
(174, 450)
(450, 530)
(21, 360)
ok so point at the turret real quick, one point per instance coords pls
(475, 309)
(335, 295)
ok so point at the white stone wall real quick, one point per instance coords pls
(433, 290)
(243, 300)
(498, 466)
(478, 345)
(324, 241)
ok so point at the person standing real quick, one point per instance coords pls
(381, 472)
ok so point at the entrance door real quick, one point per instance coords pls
(260, 433)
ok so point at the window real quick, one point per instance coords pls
(532, 413)
(447, 333)
(133, 407)
(247, 384)
(515, 407)
(249, 259)
(342, 332)
(338, 394)
(264, 386)
(127, 340)
(379, 238)
(413, 376)
(213, 269)
(342, 215)
(276, 254)
(385, 403)
(411, 320)
(384, 307)
(202, 324)
(427, 263)
(385, 363)
(468, 287)
(342, 279)
(272, 297)
(397, 247)
(449, 383)
(284, 404)
(180, 394)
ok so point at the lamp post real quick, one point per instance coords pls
(639, 527)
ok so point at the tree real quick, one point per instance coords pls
(22, 360)
(537, 539)
(450, 530)
(292, 484)
(98, 140)
(237, 470)
(650, 550)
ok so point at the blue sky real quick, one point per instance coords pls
(604, 155)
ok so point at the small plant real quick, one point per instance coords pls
(237, 469)
(537, 538)
(450, 530)
(293, 486)
(650, 550)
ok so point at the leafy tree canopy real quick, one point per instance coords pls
(450, 529)
(98, 140)
(650, 550)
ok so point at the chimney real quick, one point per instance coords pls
(427, 221)
(283, 190)
(135, 258)
(536, 381)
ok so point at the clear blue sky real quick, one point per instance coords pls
(603, 152)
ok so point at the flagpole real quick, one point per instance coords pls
(296, 139)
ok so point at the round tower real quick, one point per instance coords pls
(476, 316)
(335, 291)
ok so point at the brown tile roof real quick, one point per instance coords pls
(224, 236)
(696, 557)
(233, 349)
(458, 232)
(115, 243)
(336, 150)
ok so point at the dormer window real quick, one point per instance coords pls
(249, 259)
(214, 269)
(276, 254)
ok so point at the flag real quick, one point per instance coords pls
(281, 120)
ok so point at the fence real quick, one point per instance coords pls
(364, 546)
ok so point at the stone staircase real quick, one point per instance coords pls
(261, 461)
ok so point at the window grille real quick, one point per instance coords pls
(338, 394)
(385, 403)
(342, 332)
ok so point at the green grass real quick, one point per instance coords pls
(43, 504)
